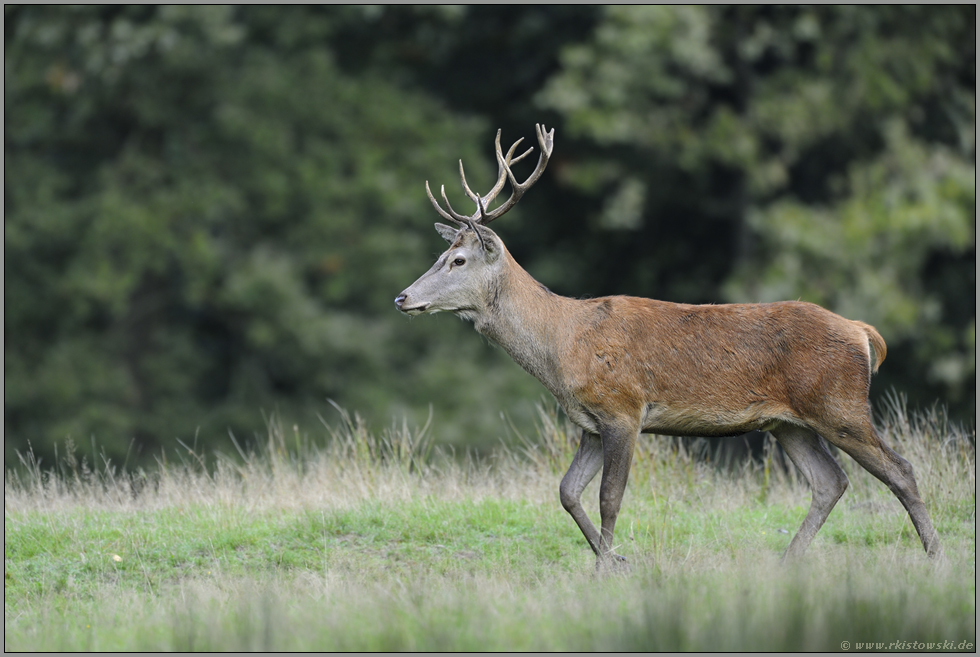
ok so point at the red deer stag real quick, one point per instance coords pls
(620, 366)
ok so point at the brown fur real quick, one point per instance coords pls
(624, 365)
(719, 370)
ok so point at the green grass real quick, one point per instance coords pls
(381, 543)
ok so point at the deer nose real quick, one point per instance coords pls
(400, 301)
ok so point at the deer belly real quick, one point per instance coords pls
(685, 421)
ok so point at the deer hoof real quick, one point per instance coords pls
(612, 564)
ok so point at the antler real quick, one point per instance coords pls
(482, 217)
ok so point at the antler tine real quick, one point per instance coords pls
(519, 157)
(501, 172)
(481, 206)
(502, 168)
(460, 219)
(547, 143)
(469, 192)
(435, 204)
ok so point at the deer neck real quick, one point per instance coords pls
(528, 321)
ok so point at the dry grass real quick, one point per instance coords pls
(387, 542)
(292, 472)
(289, 472)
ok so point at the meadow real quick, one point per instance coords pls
(352, 540)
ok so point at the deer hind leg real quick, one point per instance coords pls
(585, 466)
(865, 446)
(808, 451)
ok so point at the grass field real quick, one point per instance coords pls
(353, 541)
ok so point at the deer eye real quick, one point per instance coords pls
(459, 262)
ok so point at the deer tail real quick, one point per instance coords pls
(877, 343)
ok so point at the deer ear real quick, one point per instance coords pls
(448, 232)
(491, 245)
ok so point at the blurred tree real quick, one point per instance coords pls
(206, 218)
(822, 153)
(208, 210)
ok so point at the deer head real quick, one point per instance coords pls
(462, 279)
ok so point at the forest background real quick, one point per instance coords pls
(209, 210)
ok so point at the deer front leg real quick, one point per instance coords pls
(617, 456)
(585, 465)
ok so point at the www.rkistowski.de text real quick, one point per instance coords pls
(907, 645)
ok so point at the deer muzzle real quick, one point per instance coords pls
(400, 303)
